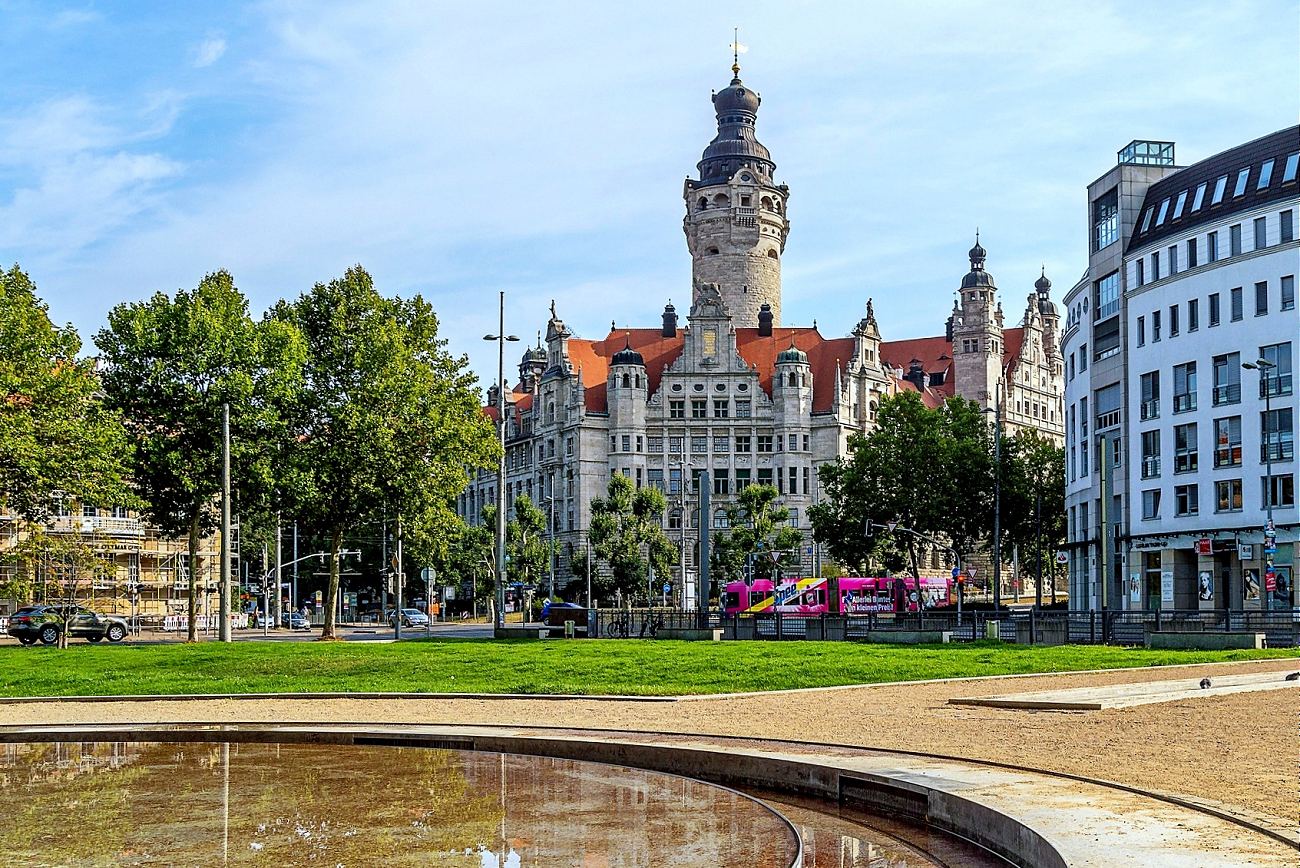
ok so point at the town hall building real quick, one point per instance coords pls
(730, 389)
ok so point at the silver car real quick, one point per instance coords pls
(410, 618)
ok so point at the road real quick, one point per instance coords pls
(370, 633)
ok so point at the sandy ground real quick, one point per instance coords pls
(1240, 749)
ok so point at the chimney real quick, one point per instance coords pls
(670, 321)
(765, 321)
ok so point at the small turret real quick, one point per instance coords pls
(669, 329)
(765, 321)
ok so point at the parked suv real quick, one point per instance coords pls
(32, 624)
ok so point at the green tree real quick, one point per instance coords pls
(385, 418)
(528, 544)
(467, 556)
(171, 365)
(627, 534)
(930, 470)
(64, 567)
(759, 536)
(57, 436)
(1033, 500)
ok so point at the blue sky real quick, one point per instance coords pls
(455, 149)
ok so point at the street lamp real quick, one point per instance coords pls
(1264, 366)
(501, 338)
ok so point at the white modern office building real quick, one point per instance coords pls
(1181, 406)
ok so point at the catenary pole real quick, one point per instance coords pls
(223, 626)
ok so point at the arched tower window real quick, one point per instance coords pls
(704, 202)
(712, 251)
(793, 380)
(720, 199)
(771, 254)
(627, 381)
(766, 202)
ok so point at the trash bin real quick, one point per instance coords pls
(992, 630)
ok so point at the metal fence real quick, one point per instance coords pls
(1026, 626)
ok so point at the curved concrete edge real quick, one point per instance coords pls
(1028, 818)
(186, 697)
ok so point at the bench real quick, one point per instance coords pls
(909, 637)
(1203, 641)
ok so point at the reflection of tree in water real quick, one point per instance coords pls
(156, 804)
(65, 804)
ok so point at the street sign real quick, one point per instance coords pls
(891, 524)
(956, 572)
(667, 588)
(1246, 551)
(1204, 546)
(970, 572)
(1062, 558)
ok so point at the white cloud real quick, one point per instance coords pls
(209, 51)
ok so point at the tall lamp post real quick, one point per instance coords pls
(550, 542)
(501, 338)
(1264, 366)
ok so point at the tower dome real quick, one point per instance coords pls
(792, 355)
(1042, 284)
(735, 146)
(977, 276)
(627, 355)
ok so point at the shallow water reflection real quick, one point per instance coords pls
(198, 803)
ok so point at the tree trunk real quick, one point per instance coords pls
(193, 635)
(332, 590)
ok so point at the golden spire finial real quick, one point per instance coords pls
(735, 52)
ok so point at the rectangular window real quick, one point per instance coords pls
(654, 445)
(1237, 306)
(1141, 272)
(1186, 453)
(742, 478)
(744, 444)
(1261, 233)
(1155, 326)
(1212, 247)
(676, 445)
(1277, 442)
(1191, 252)
(1178, 206)
(721, 481)
(1265, 175)
(1105, 219)
(676, 409)
(1164, 210)
(1186, 500)
(1286, 225)
(1288, 292)
(1105, 300)
(1150, 454)
(699, 408)
(696, 475)
(722, 444)
(721, 408)
(1240, 187)
(655, 478)
(793, 473)
(806, 474)
(805, 443)
(627, 442)
(1227, 379)
(1155, 265)
(1214, 309)
(1261, 298)
(1234, 239)
(1173, 320)
(699, 444)
(1227, 441)
(743, 410)
(1150, 504)
(1185, 387)
(1199, 199)
(1172, 256)
(674, 480)
(1278, 377)
(764, 475)
(1107, 406)
(764, 443)
(1146, 221)
(1150, 407)
(1288, 174)
(1083, 358)
(1141, 331)
(1279, 491)
(1227, 495)
(1219, 187)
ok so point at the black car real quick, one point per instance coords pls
(32, 624)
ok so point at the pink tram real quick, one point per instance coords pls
(856, 596)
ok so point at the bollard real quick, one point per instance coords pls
(569, 629)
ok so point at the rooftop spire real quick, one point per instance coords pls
(736, 48)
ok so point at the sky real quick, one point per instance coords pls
(459, 149)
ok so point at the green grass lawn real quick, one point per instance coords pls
(574, 667)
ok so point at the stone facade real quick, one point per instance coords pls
(734, 392)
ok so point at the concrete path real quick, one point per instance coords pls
(1033, 818)
(1125, 695)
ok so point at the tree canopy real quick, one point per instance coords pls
(758, 535)
(383, 418)
(57, 436)
(627, 534)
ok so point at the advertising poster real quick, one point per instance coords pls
(1167, 588)
(1135, 589)
(1205, 587)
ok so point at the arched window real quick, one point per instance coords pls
(794, 380)
(627, 381)
(637, 380)
(720, 199)
(771, 254)
(704, 202)
(713, 251)
(720, 518)
(766, 202)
